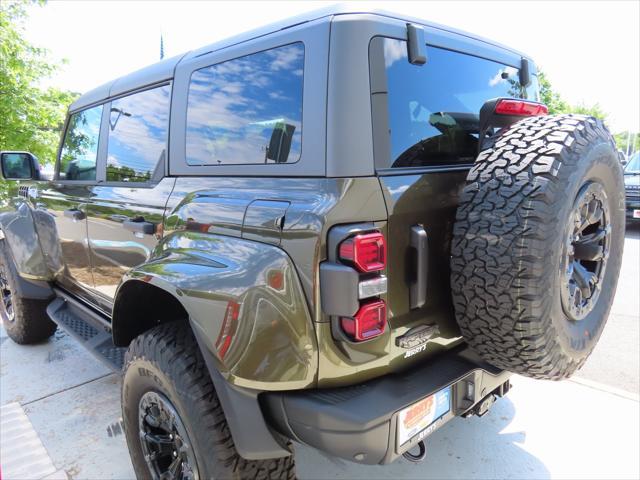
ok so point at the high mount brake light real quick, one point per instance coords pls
(520, 108)
(369, 321)
(367, 251)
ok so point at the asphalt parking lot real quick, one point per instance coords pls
(60, 415)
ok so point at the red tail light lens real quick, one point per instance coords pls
(521, 108)
(367, 251)
(369, 322)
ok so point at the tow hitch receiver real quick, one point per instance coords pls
(483, 406)
(422, 453)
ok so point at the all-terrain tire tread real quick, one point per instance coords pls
(501, 253)
(173, 349)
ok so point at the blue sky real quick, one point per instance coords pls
(590, 50)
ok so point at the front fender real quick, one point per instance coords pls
(245, 299)
(20, 233)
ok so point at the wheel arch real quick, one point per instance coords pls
(140, 306)
(242, 297)
(154, 293)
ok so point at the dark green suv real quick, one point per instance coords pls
(342, 230)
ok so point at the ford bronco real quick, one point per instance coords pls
(343, 230)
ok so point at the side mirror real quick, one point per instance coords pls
(19, 166)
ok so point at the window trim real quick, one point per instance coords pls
(99, 150)
(314, 35)
(157, 176)
(304, 65)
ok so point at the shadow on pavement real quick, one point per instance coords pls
(464, 448)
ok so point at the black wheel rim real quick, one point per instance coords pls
(165, 444)
(586, 251)
(6, 309)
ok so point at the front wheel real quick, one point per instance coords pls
(25, 319)
(173, 420)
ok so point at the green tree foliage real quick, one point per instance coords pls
(634, 141)
(126, 174)
(31, 118)
(557, 104)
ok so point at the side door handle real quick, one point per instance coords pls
(139, 225)
(418, 285)
(74, 214)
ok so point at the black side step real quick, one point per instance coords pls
(87, 327)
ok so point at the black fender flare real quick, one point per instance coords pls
(253, 438)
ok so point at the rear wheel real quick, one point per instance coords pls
(173, 420)
(25, 320)
(538, 244)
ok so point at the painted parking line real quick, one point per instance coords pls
(22, 454)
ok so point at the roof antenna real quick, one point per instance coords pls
(161, 47)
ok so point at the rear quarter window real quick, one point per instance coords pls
(433, 109)
(247, 110)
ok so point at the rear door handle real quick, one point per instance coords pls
(74, 213)
(418, 285)
(139, 225)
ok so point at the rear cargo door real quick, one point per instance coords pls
(425, 120)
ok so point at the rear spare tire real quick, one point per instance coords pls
(537, 245)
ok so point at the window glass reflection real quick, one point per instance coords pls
(80, 147)
(138, 126)
(247, 110)
(434, 109)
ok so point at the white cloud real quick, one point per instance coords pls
(500, 78)
(394, 50)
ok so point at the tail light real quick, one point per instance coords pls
(506, 106)
(370, 321)
(366, 251)
(352, 281)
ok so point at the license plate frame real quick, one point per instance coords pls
(419, 419)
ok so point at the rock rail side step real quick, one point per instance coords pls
(88, 327)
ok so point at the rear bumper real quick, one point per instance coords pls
(358, 423)
(632, 204)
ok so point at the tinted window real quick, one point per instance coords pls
(247, 110)
(80, 147)
(634, 164)
(433, 108)
(138, 126)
